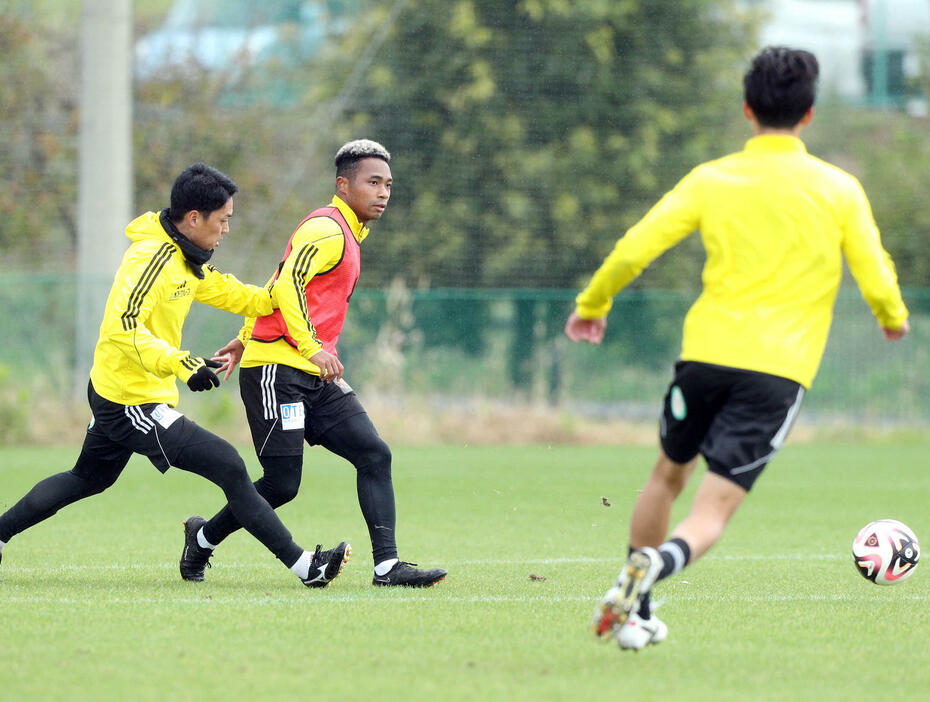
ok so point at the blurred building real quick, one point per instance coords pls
(869, 50)
(224, 34)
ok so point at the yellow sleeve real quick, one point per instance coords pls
(245, 332)
(137, 291)
(673, 218)
(226, 292)
(315, 248)
(870, 264)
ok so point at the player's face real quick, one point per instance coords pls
(367, 190)
(207, 231)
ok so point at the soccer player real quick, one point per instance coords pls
(775, 223)
(132, 390)
(291, 379)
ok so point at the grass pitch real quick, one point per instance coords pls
(92, 606)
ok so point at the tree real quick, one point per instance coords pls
(530, 134)
(38, 130)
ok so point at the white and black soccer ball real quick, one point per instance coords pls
(886, 551)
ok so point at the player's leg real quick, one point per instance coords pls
(99, 464)
(746, 432)
(356, 439)
(278, 485)
(715, 503)
(690, 404)
(652, 511)
(273, 396)
(97, 468)
(198, 451)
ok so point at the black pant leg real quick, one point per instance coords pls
(216, 460)
(278, 485)
(357, 440)
(97, 468)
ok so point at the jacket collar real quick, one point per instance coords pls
(193, 254)
(358, 231)
(775, 143)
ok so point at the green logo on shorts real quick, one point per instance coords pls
(677, 403)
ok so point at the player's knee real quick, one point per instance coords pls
(280, 491)
(230, 466)
(672, 475)
(97, 479)
(375, 460)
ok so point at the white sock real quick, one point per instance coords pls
(384, 566)
(2, 544)
(302, 567)
(202, 540)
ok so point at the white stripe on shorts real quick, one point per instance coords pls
(778, 439)
(138, 419)
(269, 398)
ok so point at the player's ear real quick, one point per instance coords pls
(808, 116)
(342, 185)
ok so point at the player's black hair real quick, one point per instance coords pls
(780, 85)
(349, 155)
(200, 187)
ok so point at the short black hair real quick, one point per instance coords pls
(200, 187)
(350, 153)
(780, 85)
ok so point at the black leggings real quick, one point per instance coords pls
(354, 439)
(203, 453)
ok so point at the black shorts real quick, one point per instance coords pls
(737, 419)
(116, 431)
(286, 407)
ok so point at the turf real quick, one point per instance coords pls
(92, 606)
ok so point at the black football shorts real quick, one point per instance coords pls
(737, 419)
(155, 430)
(286, 406)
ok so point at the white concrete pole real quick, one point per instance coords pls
(105, 182)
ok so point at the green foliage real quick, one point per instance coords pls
(890, 154)
(190, 115)
(38, 130)
(528, 135)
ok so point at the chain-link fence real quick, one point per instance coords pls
(453, 348)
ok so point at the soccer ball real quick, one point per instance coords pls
(885, 552)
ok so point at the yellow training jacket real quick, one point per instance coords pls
(775, 223)
(137, 356)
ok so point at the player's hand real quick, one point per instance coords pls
(895, 334)
(330, 367)
(590, 330)
(229, 357)
(204, 378)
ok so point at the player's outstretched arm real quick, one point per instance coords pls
(590, 330)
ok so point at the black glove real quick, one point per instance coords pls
(204, 378)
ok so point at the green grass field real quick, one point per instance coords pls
(92, 606)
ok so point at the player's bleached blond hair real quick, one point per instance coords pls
(352, 152)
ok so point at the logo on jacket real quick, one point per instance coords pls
(181, 291)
